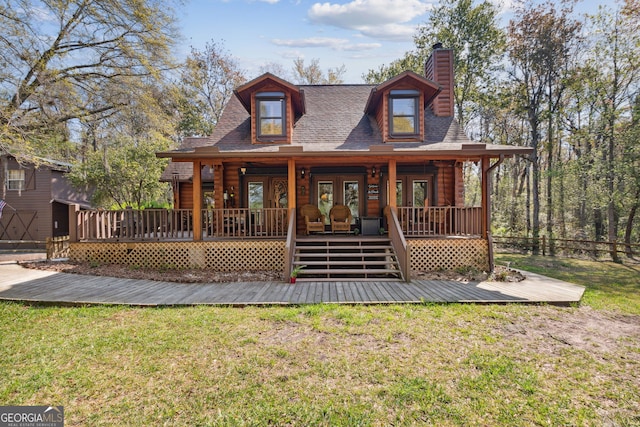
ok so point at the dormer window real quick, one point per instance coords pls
(271, 115)
(404, 108)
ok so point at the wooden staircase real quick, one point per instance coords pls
(346, 258)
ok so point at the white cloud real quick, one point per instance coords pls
(503, 6)
(384, 19)
(325, 42)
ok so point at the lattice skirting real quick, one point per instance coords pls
(221, 256)
(449, 254)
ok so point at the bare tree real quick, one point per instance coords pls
(539, 41)
(63, 61)
(313, 74)
(208, 80)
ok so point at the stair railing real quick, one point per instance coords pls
(400, 245)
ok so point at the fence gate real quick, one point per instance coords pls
(18, 225)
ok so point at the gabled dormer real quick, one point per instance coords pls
(398, 106)
(274, 106)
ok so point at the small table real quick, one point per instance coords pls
(370, 225)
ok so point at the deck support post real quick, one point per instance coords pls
(486, 163)
(197, 201)
(487, 168)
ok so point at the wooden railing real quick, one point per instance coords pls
(440, 221)
(177, 224)
(130, 224)
(403, 250)
(243, 222)
(289, 248)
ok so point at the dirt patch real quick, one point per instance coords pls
(196, 275)
(600, 333)
(166, 275)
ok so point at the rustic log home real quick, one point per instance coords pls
(268, 189)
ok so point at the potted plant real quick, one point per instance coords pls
(294, 273)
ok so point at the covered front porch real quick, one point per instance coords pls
(150, 225)
(239, 239)
(246, 213)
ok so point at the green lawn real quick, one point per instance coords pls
(444, 365)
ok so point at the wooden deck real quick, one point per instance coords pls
(19, 284)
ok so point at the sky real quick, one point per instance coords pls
(359, 34)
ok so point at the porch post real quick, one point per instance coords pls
(393, 196)
(291, 184)
(197, 201)
(486, 202)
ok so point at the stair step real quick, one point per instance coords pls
(337, 271)
(351, 247)
(363, 263)
(346, 257)
(343, 255)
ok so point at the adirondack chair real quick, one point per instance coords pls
(340, 216)
(313, 218)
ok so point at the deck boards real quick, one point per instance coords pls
(21, 284)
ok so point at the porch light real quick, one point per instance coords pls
(243, 170)
(373, 172)
(302, 172)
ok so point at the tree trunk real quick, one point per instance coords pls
(535, 186)
(629, 229)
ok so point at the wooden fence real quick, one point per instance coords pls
(568, 247)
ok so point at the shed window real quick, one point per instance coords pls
(271, 113)
(404, 110)
(15, 179)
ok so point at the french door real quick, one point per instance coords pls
(414, 191)
(339, 190)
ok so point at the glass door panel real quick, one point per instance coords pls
(279, 186)
(399, 198)
(420, 194)
(352, 198)
(325, 198)
(256, 202)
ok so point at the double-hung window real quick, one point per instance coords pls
(404, 112)
(271, 114)
(15, 179)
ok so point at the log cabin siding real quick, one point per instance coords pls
(446, 184)
(186, 195)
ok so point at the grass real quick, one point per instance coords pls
(331, 365)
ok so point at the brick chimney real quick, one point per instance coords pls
(439, 68)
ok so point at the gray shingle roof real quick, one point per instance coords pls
(334, 121)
